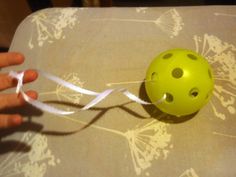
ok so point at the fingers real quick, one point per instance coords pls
(8, 82)
(7, 121)
(14, 100)
(9, 101)
(10, 58)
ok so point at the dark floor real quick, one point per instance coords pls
(171, 2)
(36, 4)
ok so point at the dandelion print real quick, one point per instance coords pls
(32, 164)
(224, 14)
(141, 10)
(170, 22)
(146, 142)
(65, 94)
(189, 173)
(221, 55)
(50, 27)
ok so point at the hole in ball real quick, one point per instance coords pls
(167, 56)
(154, 76)
(194, 92)
(177, 73)
(191, 56)
(169, 97)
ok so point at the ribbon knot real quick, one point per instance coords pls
(19, 77)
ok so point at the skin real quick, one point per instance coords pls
(11, 100)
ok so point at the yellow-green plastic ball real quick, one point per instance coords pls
(184, 77)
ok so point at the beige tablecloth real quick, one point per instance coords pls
(104, 48)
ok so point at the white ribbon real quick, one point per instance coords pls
(35, 103)
(99, 96)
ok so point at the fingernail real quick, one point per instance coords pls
(20, 57)
(32, 94)
(16, 120)
(34, 75)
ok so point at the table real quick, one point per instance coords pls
(100, 48)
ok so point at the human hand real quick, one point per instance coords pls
(13, 100)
